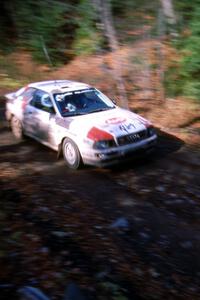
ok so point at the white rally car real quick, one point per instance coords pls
(79, 121)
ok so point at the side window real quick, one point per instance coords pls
(41, 100)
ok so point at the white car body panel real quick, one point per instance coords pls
(51, 128)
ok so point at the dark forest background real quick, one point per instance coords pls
(56, 31)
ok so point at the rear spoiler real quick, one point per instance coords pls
(13, 95)
(10, 96)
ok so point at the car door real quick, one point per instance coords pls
(39, 117)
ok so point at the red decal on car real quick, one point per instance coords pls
(96, 134)
(24, 103)
(115, 120)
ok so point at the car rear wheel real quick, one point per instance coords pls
(71, 154)
(16, 128)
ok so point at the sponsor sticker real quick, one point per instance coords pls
(115, 120)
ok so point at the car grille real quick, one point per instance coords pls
(132, 138)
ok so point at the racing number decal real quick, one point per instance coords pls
(126, 127)
(122, 125)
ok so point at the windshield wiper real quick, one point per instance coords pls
(99, 109)
(73, 114)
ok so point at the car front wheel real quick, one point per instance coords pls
(71, 154)
(16, 128)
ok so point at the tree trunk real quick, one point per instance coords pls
(160, 55)
(169, 13)
(103, 9)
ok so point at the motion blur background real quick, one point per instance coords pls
(157, 42)
(126, 233)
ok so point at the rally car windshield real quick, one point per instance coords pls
(82, 102)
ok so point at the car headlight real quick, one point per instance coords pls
(151, 131)
(104, 144)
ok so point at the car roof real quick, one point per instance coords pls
(59, 86)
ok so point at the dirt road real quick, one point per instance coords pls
(129, 232)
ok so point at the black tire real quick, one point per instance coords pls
(71, 154)
(16, 127)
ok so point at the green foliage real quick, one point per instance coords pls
(9, 75)
(47, 23)
(55, 29)
(87, 38)
(172, 81)
(125, 7)
(182, 78)
(52, 29)
(185, 9)
(7, 82)
(190, 63)
(38, 24)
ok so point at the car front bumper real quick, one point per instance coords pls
(116, 155)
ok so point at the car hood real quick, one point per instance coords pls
(108, 124)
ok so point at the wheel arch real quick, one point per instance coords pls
(71, 153)
(60, 147)
(9, 115)
(61, 144)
